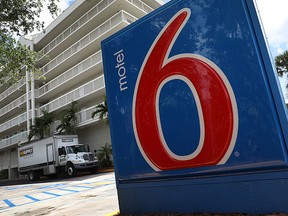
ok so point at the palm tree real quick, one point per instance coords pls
(41, 126)
(101, 109)
(281, 62)
(68, 120)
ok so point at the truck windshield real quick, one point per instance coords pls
(75, 149)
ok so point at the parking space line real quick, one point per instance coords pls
(43, 196)
(78, 189)
(3, 205)
(69, 190)
(20, 200)
(60, 192)
(32, 198)
(53, 194)
(51, 186)
(81, 186)
(9, 203)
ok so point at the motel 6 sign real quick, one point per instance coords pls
(188, 93)
(187, 68)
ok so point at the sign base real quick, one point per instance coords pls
(237, 194)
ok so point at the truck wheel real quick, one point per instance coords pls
(71, 171)
(33, 175)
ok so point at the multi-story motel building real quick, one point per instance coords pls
(72, 64)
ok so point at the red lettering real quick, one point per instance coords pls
(216, 104)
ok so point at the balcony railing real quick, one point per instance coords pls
(84, 116)
(13, 140)
(78, 93)
(12, 89)
(76, 25)
(13, 122)
(86, 18)
(71, 73)
(89, 38)
(16, 103)
(141, 5)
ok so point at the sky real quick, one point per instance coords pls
(273, 14)
(274, 17)
(275, 20)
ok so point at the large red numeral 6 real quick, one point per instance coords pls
(216, 104)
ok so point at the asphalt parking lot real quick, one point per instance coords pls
(83, 195)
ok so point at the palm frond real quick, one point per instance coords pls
(101, 109)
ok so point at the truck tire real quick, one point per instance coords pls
(71, 171)
(33, 175)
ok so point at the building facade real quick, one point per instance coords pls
(71, 62)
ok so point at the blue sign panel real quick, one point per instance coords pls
(192, 93)
(188, 93)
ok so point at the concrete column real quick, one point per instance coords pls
(27, 101)
(32, 99)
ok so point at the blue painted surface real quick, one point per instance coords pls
(52, 186)
(49, 193)
(32, 198)
(253, 179)
(9, 203)
(69, 190)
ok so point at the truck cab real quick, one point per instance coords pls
(75, 158)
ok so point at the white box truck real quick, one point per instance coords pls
(59, 153)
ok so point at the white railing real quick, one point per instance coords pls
(84, 116)
(13, 139)
(101, 6)
(16, 103)
(77, 24)
(22, 118)
(13, 122)
(141, 5)
(80, 68)
(78, 93)
(89, 38)
(12, 89)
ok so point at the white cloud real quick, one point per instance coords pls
(280, 51)
(275, 20)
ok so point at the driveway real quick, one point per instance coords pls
(83, 195)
